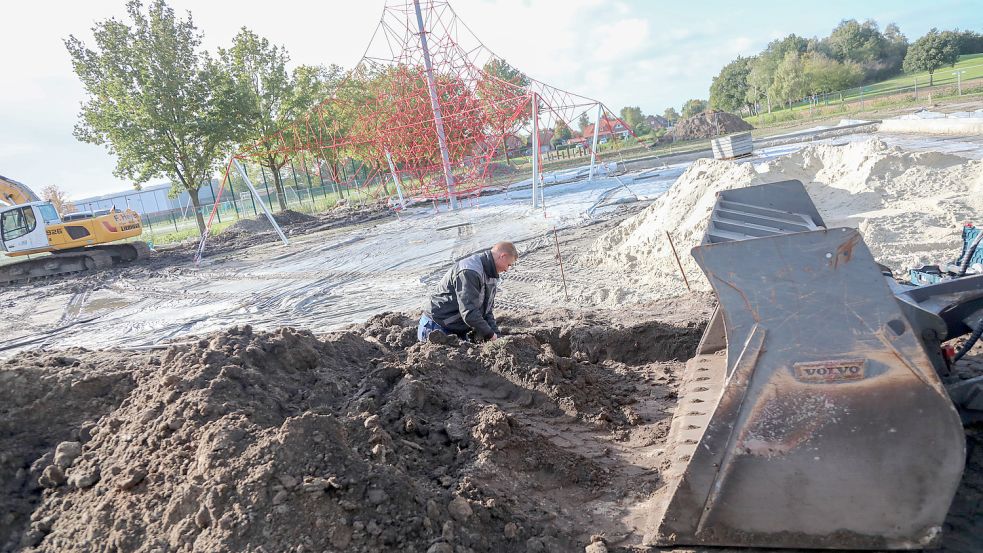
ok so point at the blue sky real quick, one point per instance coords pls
(651, 54)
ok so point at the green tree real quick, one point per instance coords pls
(729, 90)
(671, 115)
(583, 121)
(561, 132)
(271, 97)
(861, 43)
(789, 82)
(761, 70)
(823, 75)
(693, 107)
(154, 99)
(969, 42)
(932, 51)
(631, 115)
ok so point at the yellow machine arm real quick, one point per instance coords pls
(15, 193)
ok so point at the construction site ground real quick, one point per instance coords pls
(274, 398)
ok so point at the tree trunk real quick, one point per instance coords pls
(505, 148)
(193, 192)
(930, 75)
(281, 196)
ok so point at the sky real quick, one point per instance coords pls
(621, 52)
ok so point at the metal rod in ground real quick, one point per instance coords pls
(269, 216)
(560, 260)
(678, 263)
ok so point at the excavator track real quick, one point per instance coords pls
(94, 258)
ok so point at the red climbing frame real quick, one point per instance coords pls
(383, 105)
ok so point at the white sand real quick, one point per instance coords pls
(909, 206)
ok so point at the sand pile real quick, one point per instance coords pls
(360, 441)
(908, 205)
(707, 125)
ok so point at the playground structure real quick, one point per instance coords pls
(424, 114)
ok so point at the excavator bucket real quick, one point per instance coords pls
(812, 415)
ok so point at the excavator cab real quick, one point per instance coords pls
(24, 227)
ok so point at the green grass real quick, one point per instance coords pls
(971, 63)
(183, 234)
(894, 92)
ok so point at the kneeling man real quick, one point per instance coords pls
(464, 301)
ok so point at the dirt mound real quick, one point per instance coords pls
(262, 224)
(363, 440)
(708, 124)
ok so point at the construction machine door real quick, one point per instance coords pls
(22, 229)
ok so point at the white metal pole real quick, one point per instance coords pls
(435, 104)
(399, 189)
(593, 148)
(262, 204)
(535, 150)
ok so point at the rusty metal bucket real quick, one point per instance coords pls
(811, 415)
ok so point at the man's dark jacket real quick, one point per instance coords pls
(465, 297)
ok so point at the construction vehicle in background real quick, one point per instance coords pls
(819, 410)
(54, 245)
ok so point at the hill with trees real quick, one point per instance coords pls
(854, 53)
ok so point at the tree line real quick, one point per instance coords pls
(854, 53)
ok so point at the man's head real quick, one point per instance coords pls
(505, 255)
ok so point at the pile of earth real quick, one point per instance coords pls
(708, 124)
(360, 440)
(261, 224)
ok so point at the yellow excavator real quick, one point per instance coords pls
(76, 242)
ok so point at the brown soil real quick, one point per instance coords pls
(361, 440)
(707, 125)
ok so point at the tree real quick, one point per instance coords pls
(789, 82)
(969, 42)
(583, 121)
(58, 198)
(761, 69)
(823, 75)
(271, 98)
(498, 86)
(153, 99)
(693, 107)
(931, 52)
(632, 115)
(561, 132)
(671, 115)
(729, 90)
(856, 42)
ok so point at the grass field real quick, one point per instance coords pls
(943, 80)
(972, 64)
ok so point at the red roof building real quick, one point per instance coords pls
(609, 128)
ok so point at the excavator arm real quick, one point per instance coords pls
(15, 193)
